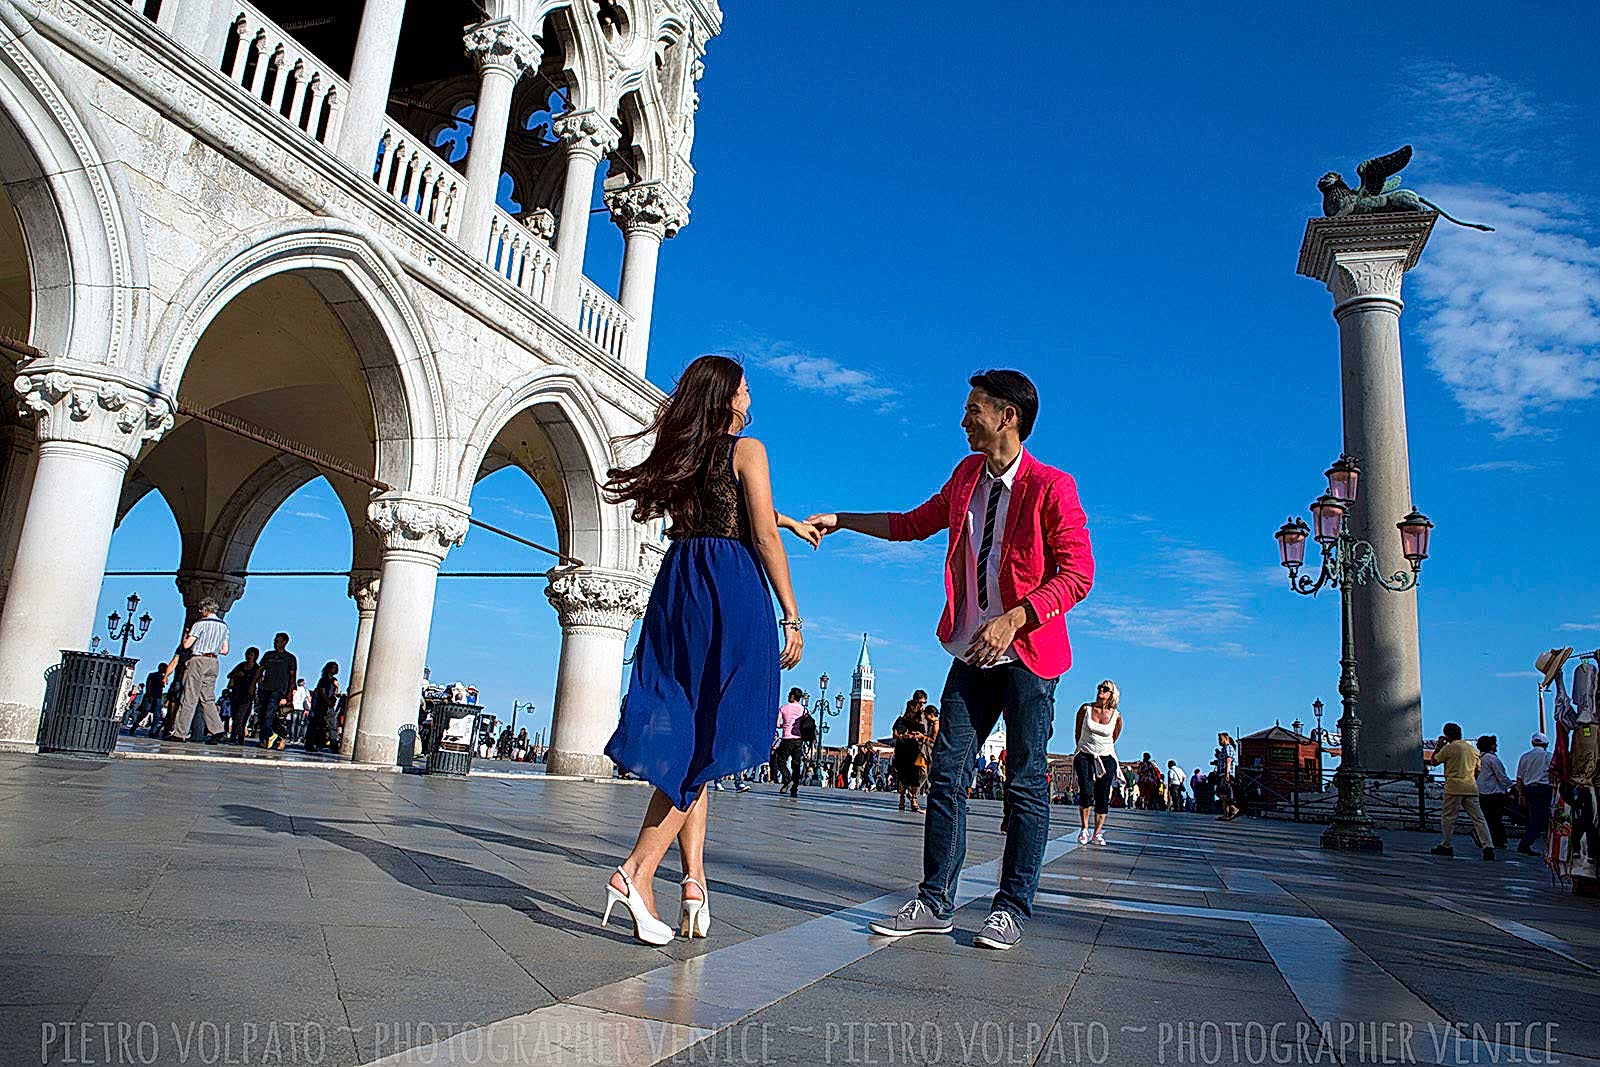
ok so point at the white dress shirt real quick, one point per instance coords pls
(969, 616)
(1176, 777)
(1534, 766)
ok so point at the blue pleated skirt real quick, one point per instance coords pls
(703, 697)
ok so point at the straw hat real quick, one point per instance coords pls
(1550, 663)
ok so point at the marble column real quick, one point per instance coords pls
(597, 608)
(371, 74)
(588, 136)
(364, 586)
(195, 586)
(18, 452)
(1362, 260)
(647, 215)
(416, 532)
(502, 51)
(90, 424)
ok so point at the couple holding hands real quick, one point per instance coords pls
(705, 671)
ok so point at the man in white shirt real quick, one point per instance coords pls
(1533, 779)
(1494, 788)
(300, 701)
(1175, 783)
(206, 640)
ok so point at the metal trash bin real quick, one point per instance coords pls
(84, 715)
(452, 739)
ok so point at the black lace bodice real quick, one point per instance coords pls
(722, 510)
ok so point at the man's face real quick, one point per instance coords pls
(984, 420)
(280, 643)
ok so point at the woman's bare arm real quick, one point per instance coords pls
(750, 464)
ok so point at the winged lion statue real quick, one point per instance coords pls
(1380, 191)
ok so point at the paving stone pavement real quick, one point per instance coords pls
(157, 911)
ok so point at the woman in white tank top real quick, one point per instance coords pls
(1099, 726)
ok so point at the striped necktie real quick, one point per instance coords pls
(996, 486)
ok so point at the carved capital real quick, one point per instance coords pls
(419, 523)
(195, 586)
(586, 132)
(591, 597)
(363, 589)
(502, 45)
(1367, 275)
(648, 207)
(88, 406)
(541, 222)
(651, 553)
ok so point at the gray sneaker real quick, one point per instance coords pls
(915, 918)
(1000, 930)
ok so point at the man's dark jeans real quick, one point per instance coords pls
(971, 705)
(788, 760)
(1538, 814)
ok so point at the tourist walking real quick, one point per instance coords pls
(155, 684)
(1148, 776)
(279, 669)
(300, 700)
(705, 670)
(1224, 786)
(1018, 560)
(324, 699)
(1175, 783)
(206, 640)
(787, 757)
(910, 755)
(1460, 762)
(1494, 788)
(242, 683)
(1095, 760)
(1533, 782)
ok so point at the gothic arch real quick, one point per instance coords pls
(85, 250)
(367, 291)
(561, 403)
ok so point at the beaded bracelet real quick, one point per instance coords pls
(790, 624)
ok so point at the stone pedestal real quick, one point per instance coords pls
(364, 586)
(1362, 260)
(90, 425)
(597, 609)
(416, 532)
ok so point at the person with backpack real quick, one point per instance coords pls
(1149, 779)
(792, 720)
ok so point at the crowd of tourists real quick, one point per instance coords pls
(1477, 786)
(265, 696)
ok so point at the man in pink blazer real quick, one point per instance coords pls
(1018, 560)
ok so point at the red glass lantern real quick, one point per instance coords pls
(1415, 530)
(1327, 516)
(1342, 478)
(1292, 543)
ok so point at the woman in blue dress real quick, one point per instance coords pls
(704, 688)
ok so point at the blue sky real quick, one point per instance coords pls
(1112, 201)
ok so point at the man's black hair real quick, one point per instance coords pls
(1014, 388)
(1452, 731)
(796, 694)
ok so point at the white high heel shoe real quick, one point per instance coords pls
(695, 920)
(646, 927)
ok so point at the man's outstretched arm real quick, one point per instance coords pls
(919, 524)
(871, 523)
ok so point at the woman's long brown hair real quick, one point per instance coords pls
(690, 423)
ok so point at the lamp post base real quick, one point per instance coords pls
(1338, 838)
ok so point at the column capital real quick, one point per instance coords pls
(363, 589)
(647, 208)
(411, 521)
(92, 406)
(503, 46)
(586, 132)
(1364, 256)
(597, 598)
(195, 586)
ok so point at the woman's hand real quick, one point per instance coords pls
(793, 645)
(803, 530)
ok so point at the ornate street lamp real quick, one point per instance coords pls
(821, 711)
(126, 631)
(1316, 711)
(1348, 562)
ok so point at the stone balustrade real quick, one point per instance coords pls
(411, 172)
(521, 257)
(601, 319)
(268, 64)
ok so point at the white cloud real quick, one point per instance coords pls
(310, 515)
(1515, 466)
(1592, 626)
(819, 374)
(1206, 610)
(926, 556)
(1511, 319)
